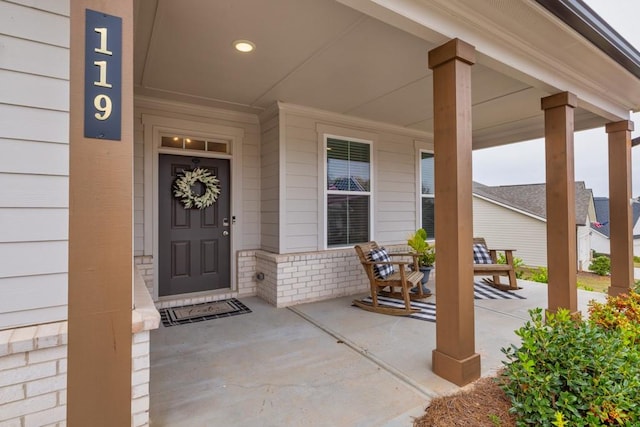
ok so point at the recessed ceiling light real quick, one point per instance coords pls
(244, 46)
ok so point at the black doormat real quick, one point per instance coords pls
(204, 311)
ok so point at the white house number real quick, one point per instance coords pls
(102, 102)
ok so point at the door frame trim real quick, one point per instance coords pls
(154, 126)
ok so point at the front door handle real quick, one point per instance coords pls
(225, 233)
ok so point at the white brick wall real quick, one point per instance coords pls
(140, 379)
(246, 272)
(311, 276)
(33, 375)
(144, 265)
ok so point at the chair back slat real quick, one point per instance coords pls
(480, 240)
(363, 251)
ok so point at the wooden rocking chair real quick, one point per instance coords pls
(496, 270)
(402, 278)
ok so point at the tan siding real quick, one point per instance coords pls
(34, 225)
(35, 191)
(33, 258)
(34, 161)
(34, 91)
(19, 122)
(251, 188)
(505, 228)
(270, 185)
(59, 7)
(394, 182)
(19, 54)
(302, 159)
(138, 185)
(44, 26)
(301, 185)
(23, 293)
(43, 158)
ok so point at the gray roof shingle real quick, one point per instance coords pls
(531, 198)
(602, 215)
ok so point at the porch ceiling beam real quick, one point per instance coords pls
(561, 206)
(620, 212)
(454, 358)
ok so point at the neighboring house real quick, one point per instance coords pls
(600, 240)
(324, 136)
(514, 217)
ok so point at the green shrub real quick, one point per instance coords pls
(574, 373)
(622, 313)
(601, 265)
(541, 275)
(636, 259)
(518, 263)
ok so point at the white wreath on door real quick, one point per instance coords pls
(183, 188)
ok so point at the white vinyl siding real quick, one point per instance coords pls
(602, 245)
(509, 229)
(34, 164)
(583, 252)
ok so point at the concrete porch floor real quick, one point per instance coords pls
(317, 364)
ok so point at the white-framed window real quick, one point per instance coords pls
(427, 194)
(348, 191)
(195, 143)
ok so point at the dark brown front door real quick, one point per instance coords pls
(194, 244)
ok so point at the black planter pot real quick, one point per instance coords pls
(426, 271)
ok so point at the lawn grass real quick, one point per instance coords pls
(585, 280)
(593, 282)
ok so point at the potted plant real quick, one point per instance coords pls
(426, 254)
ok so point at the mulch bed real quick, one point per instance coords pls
(481, 404)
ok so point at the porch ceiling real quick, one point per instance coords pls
(320, 54)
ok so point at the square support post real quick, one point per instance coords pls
(100, 215)
(561, 201)
(620, 212)
(454, 358)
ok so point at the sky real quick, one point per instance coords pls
(523, 163)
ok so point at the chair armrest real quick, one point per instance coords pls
(503, 250)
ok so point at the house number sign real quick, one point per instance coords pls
(103, 76)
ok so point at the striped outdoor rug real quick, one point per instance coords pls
(428, 309)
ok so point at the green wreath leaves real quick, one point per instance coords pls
(182, 188)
